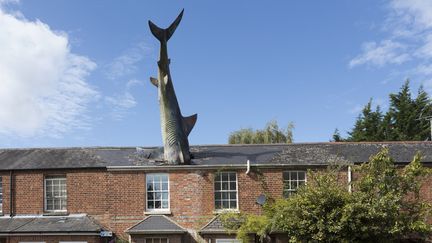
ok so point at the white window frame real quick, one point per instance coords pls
(156, 238)
(1, 194)
(161, 191)
(71, 242)
(230, 240)
(285, 182)
(52, 177)
(31, 241)
(228, 191)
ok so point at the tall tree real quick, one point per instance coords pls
(405, 120)
(368, 125)
(272, 133)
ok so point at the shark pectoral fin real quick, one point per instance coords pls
(189, 123)
(154, 81)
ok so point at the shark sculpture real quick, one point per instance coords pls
(175, 128)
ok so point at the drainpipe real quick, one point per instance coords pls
(349, 178)
(11, 185)
(247, 167)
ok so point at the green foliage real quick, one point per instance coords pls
(337, 136)
(272, 133)
(368, 125)
(385, 206)
(404, 120)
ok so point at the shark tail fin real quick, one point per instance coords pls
(165, 34)
(189, 123)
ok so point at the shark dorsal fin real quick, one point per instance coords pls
(189, 123)
(154, 81)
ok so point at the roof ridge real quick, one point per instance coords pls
(216, 145)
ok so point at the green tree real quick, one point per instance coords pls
(405, 120)
(336, 136)
(384, 206)
(272, 133)
(368, 125)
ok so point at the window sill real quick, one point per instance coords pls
(56, 213)
(220, 211)
(158, 212)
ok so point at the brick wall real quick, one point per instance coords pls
(117, 199)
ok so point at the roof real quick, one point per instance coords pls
(49, 224)
(156, 224)
(210, 155)
(215, 226)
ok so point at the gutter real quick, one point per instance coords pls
(206, 167)
(349, 178)
(11, 186)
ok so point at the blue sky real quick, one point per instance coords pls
(75, 73)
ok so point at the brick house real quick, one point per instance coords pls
(99, 194)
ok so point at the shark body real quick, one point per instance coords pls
(175, 128)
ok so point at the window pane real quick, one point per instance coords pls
(301, 175)
(217, 196)
(158, 196)
(165, 186)
(165, 196)
(150, 204)
(224, 185)
(233, 204)
(233, 196)
(218, 204)
(233, 185)
(164, 204)
(294, 175)
(224, 195)
(157, 186)
(157, 204)
(150, 196)
(225, 204)
(217, 186)
(232, 176)
(224, 176)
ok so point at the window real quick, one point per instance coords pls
(1, 195)
(55, 194)
(292, 181)
(225, 189)
(156, 240)
(228, 241)
(157, 192)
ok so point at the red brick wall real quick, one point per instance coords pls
(5, 185)
(265, 181)
(125, 201)
(117, 199)
(28, 193)
(191, 197)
